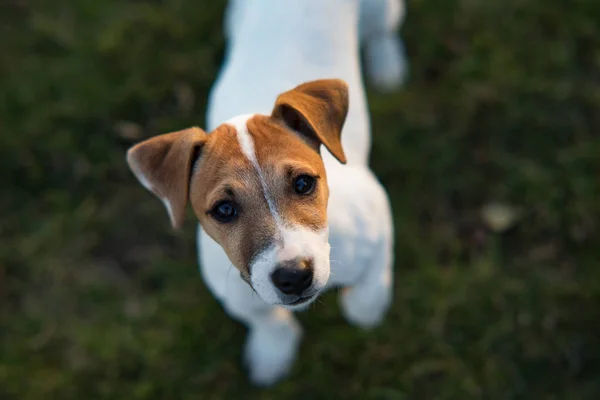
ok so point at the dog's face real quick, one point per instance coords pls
(258, 187)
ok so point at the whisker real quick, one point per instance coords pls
(227, 277)
(320, 301)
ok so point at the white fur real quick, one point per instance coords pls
(295, 240)
(274, 45)
(272, 345)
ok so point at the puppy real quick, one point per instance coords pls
(280, 221)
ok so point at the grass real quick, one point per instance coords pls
(100, 300)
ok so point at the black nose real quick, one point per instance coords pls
(293, 276)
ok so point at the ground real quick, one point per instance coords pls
(100, 299)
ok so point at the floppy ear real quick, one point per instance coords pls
(316, 110)
(163, 165)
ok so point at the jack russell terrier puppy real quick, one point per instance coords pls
(291, 220)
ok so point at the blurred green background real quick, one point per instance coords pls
(101, 300)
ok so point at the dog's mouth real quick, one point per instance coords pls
(300, 300)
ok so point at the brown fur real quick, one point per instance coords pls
(222, 172)
(284, 157)
(164, 163)
(317, 108)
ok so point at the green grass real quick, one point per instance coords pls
(99, 299)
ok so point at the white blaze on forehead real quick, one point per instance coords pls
(240, 123)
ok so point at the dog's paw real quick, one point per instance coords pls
(364, 308)
(271, 350)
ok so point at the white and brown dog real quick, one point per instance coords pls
(291, 220)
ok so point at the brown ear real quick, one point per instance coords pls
(163, 165)
(317, 110)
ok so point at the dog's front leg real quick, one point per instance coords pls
(366, 302)
(273, 338)
(271, 346)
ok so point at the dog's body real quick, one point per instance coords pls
(273, 46)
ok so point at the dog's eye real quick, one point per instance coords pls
(224, 211)
(304, 184)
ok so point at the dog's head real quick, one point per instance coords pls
(258, 186)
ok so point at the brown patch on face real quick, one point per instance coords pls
(224, 173)
(286, 145)
(283, 156)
